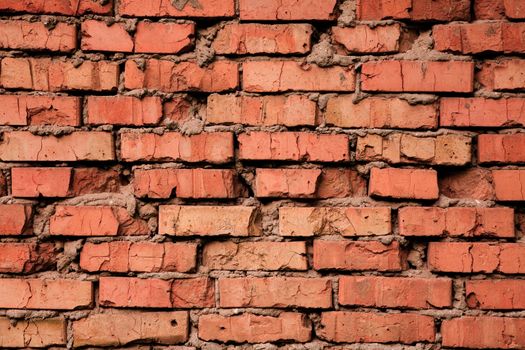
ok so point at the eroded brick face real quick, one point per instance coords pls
(262, 174)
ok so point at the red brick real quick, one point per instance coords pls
(186, 183)
(35, 36)
(175, 37)
(495, 294)
(348, 222)
(366, 327)
(292, 110)
(48, 74)
(61, 7)
(118, 328)
(457, 222)
(395, 148)
(41, 182)
(275, 292)
(39, 110)
(514, 9)
(489, 9)
(507, 183)
(480, 37)
(168, 8)
(254, 38)
(255, 256)
(214, 147)
(476, 257)
(138, 257)
(473, 183)
(395, 292)
(484, 332)
(59, 294)
(94, 180)
(379, 112)
(123, 110)
(183, 76)
(101, 36)
(501, 148)
(201, 220)
(365, 39)
(482, 112)
(286, 10)
(404, 183)
(156, 293)
(15, 219)
(178, 110)
(308, 183)
(418, 76)
(26, 257)
(351, 255)
(32, 333)
(95, 221)
(415, 10)
(502, 75)
(3, 184)
(293, 146)
(250, 328)
(19, 146)
(278, 76)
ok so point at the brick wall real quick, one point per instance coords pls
(262, 174)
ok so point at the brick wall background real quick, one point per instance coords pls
(297, 174)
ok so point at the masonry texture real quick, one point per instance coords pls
(262, 174)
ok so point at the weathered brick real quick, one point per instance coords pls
(404, 183)
(186, 183)
(18, 110)
(44, 182)
(286, 10)
(473, 183)
(495, 295)
(175, 37)
(395, 292)
(291, 110)
(489, 9)
(293, 146)
(507, 183)
(24, 35)
(366, 327)
(308, 183)
(197, 220)
(365, 39)
(254, 38)
(49, 74)
(138, 257)
(255, 256)
(275, 292)
(26, 257)
(15, 219)
(415, 10)
(498, 332)
(32, 333)
(514, 9)
(216, 147)
(95, 221)
(59, 294)
(501, 148)
(118, 328)
(156, 293)
(379, 112)
(469, 257)
(183, 76)
(348, 222)
(250, 328)
(167, 8)
(457, 222)
(418, 76)
(502, 75)
(60, 7)
(101, 36)
(395, 148)
(482, 112)
(279, 76)
(123, 110)
(350, 255)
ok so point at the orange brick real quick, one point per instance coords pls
(473, 183)
(32, 333)
(501, 148)
(123, 110)
(26, 257)
(15, 219)
(286, 10)
(495, 295)
(35, 36)
(502, 75)
(404, 183)
(416, 10)
(21, 110)
(61, 7)
(175, 37)
(167, 8)
(99, 36)
(45, 182)
(507, 183)
(278, 76)
(365, 39)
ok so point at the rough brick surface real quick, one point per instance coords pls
(262, 174)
